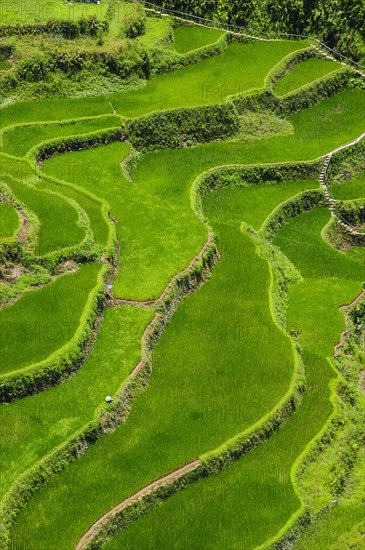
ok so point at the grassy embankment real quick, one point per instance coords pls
(233, 313)
(251, 500)
(157, 229)
(9, 220)
(304, 73)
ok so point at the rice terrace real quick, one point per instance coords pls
(182, 274)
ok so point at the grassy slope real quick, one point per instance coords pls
(249, 502)
(304, 73)
(57, 218)
(20, 140)
(341, 526)
(353, 189)
(54, 109)
(157, 228)
(92, 207)
(43, 320)
(158, 235)
(157, 30)
(333, 529)
(229, 313)
(9, 220)
(241, 67)
(48, 418)
(23, 171)
(188, 38)
(27, 12)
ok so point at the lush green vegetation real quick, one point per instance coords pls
(158, 234)
(338, 24)
(200, 420)
(157, 31)
(20, 140)
(9, 220)
(351, 189)
(92, 207)
(105, 219)
(40, 323)
(304, 73)
(27, 12)
(50, 417)
(150, 231)
(4, 65)
(54, 110)
(241, 67)
(58, 219)
(189, 38)
(252, 499)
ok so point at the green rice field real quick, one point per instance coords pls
(40, 323)
(191, 38)
(9, 220)
(305, 73)
(185, 292)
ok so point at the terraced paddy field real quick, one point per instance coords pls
(304, 73)
(193, 302)
(9, 220)
(40, 322)
(191, 38)
(18, 141)
(351, 189)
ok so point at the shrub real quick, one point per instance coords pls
(135, 23)
(183, 127)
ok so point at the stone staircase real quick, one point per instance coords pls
(326, 55)
(331, 203)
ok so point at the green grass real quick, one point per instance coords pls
(27, 12)
(157, 32)
(341, 526)
(353, 189)
(58, 220)
(227, 372)
(54, 110)
(21, 139)
(5, 65)
(91, 206)
(332, 526)
(188, 38)
(241, 67)
(232, 322)
(304, 73)
(157, 229)
(245, 504)
(44, 320)
(9, 220)
(43, 421)
(158, 235)
(253, 203)
(252, 499)
(325, 263)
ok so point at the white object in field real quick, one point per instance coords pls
(108, 399)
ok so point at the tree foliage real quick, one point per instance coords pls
(339, 23)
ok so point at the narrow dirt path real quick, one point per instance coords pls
(145, 491)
